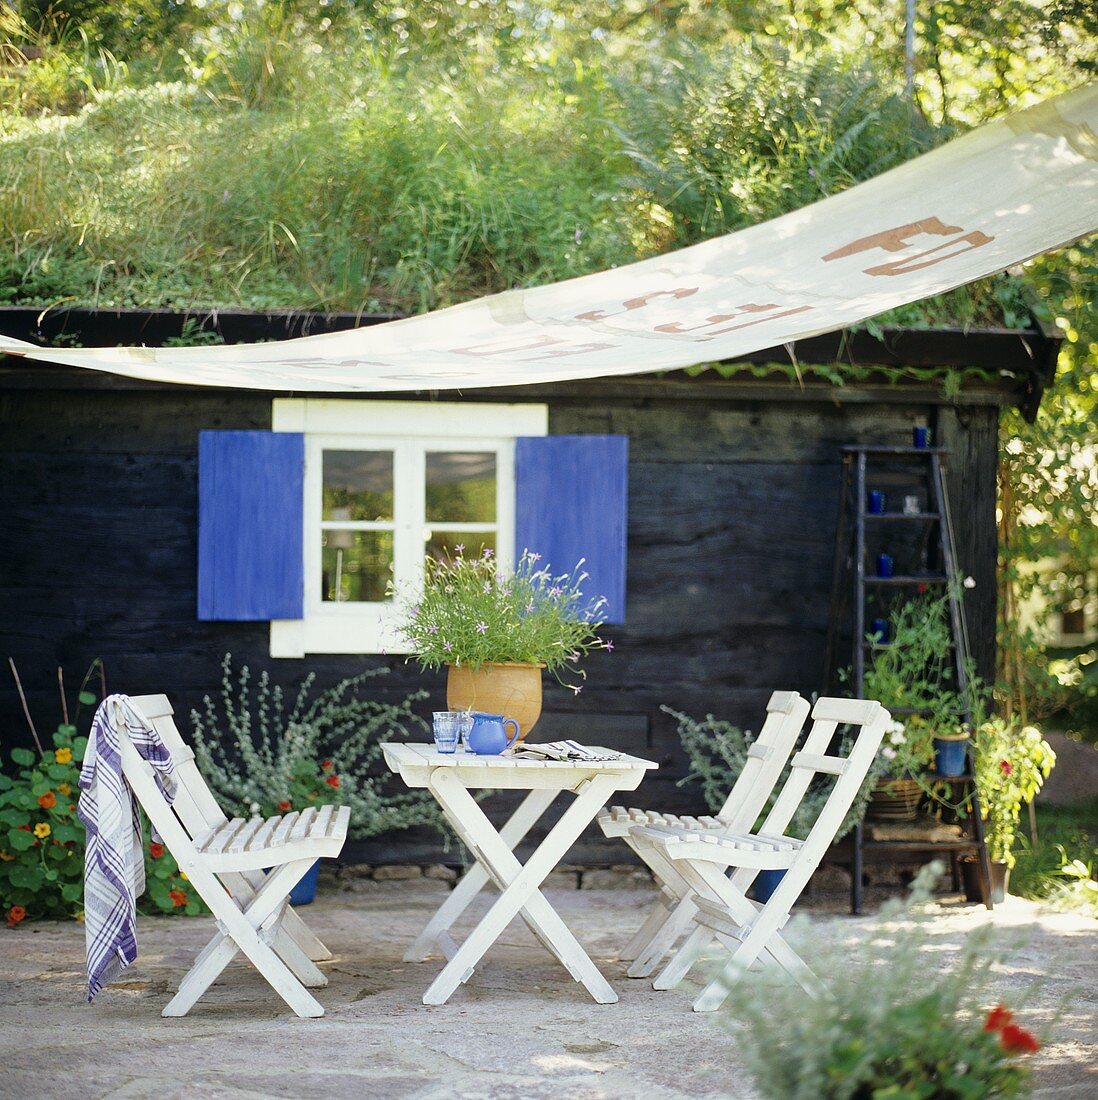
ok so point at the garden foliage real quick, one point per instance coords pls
(264, 752)
(893, 1022)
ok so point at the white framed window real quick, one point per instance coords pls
(385, 484)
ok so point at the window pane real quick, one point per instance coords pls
(358, 485)
(443, 545)
(461, 487)
(355, 565)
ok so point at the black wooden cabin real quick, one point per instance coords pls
(732, 501)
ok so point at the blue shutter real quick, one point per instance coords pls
(570, 503)
(250, 563)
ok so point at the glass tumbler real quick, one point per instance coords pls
(447, 728)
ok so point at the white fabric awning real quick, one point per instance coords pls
(997, 196)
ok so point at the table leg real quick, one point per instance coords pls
(476, 878)
(521, 892)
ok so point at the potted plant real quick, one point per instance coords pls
(951, 750)
(496, 629)
(906, 752)
(262, 758)
(1012, 762)
(913, 675)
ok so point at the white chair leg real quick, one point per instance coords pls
(680, 963)
(662, 942)
(661, 911)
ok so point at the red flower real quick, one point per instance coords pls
(25, 828)
(1006, 767)
(998, 1018)
(179, 899)
(920, 588)
(15, 914)
(327, 765)
(156, 850)
(332, 780)
(284, 805)
(1016, 1040)
(48, 800)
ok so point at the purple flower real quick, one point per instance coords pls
(530, 607)
(609, 646)
(812, 172)
(448, 646)
(432, 629)
(487, 587)
(556, 590)
(488, 552)
(577, 689)
(535, 557)
(459, 548)
(482, 627)
(574, 655)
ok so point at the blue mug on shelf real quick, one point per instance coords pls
(920, 436)
(884, 565)
(876, 502)
(488, 736)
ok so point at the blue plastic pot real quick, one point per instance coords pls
(950, 757)
(766, 882)
(304, 893)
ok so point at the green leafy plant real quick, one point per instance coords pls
(471, 612)
(1012, 762)
(717, 751)
(263, 754)
(907, 749)
(42, 841)
(888, 1024)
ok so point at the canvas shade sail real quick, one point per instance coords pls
(999, 195)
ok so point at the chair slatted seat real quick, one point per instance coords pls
(243, 869)
(674, 910)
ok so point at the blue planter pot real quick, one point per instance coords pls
(304, 893)
(950, 757)
(766, 882)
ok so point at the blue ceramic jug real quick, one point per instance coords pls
(488, 736)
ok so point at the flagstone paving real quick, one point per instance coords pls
(519, 1029)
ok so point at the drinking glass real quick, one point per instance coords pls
(446, 727)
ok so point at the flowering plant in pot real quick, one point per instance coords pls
(496, 629)
(1012, 763)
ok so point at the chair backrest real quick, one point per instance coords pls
(766, 760)
(195, 804)
(870, 719)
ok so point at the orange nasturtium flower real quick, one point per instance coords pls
(284, 805)
(6, 856)
(63, 756)
(48, 800)
(179, 899)
(42, 830)
(15, 914)
(156, 850)
(332, 780)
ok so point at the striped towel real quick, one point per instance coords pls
(114, 863)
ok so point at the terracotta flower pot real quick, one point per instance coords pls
(894, 800)
(513, 690)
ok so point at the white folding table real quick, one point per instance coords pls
(450, 778)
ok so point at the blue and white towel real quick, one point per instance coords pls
(114, 863)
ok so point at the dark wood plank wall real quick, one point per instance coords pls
(732, 507)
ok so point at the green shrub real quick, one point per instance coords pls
(892, 1022)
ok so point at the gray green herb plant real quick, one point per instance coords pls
(264, 754)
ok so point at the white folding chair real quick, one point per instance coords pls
(749, 930)
(225, 861)
(674, 910)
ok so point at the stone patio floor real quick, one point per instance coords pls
(519, 1029)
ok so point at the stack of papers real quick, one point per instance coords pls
(559, 750)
